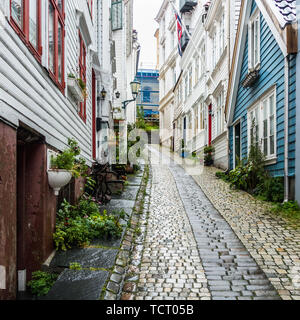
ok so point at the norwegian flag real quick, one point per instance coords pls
(179, 32)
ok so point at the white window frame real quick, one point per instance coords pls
(262, 116)
(190, 78)
(253, 46)
(219, 119)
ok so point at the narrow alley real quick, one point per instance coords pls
(190, 251)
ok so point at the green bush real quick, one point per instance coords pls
(41, 282)
(208, 155)
(271, 189)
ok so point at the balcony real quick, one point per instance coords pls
(186, 6)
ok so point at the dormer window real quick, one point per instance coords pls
(254, 41)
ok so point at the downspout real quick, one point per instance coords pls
(229, 68)
(286, 129)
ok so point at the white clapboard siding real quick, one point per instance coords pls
(27, 91)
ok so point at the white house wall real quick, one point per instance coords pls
(29, 95)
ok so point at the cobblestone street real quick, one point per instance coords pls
(192, 251)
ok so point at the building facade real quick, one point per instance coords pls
(261, 106)
(148, 98)
(126, 59)
(45, 46)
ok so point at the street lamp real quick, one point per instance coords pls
(103, 94)
(135, 88)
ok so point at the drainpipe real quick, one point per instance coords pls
(229, 68)
(286, 129)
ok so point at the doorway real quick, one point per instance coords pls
(237, 144)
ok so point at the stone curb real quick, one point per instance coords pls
(115, 284)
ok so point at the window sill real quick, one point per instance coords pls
(271, 160)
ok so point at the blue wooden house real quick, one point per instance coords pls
(261, 101)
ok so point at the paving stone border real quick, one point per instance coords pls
(119, 283)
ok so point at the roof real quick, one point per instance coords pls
(285, 11)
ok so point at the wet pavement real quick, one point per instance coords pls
(190, 251)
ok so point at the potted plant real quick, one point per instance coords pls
(208, 155)
(75, 87)
(65, 165)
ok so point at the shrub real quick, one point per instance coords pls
(41, 282)
(271, 189)
(208, 155)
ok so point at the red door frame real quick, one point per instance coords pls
(209, 124)
(94, 113)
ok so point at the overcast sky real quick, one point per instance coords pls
(143, 21)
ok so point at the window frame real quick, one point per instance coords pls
(24, 32)
(59, 17)
(259, 106)
(82, 73)
(119, 26)
(252, 63)
(219, 119)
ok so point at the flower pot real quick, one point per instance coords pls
(58, 178)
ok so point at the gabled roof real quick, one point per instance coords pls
(280, 15)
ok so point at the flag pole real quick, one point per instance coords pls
(192, 41)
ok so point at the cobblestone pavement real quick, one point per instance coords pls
(190, 251)
(170, 267)
(273, 242)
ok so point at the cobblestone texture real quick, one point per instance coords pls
(231, 271)
(170, 268)
(272, 242)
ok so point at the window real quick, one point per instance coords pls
(82, 73)
(197, 67)
(196, 120)
(116, 15)
(180, 92)
(262, 125)
(146, 95)
(203, 68)
(186, 86)
(202, 116)
(26, 20)
(56, 34)
(190, 79)
(214, 51)
(222, 35)
(254, 41)
(219, 114)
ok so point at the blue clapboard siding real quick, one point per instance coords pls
(271, 73)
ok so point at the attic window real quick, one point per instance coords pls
(254, 41)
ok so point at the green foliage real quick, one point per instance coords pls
(41, 282)
(271, 189)
(67, 160)
(251, 176)
(223, 176)
(75, 266)
(208, 155)
(290, 210)
(77, 225)
(140, 119)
